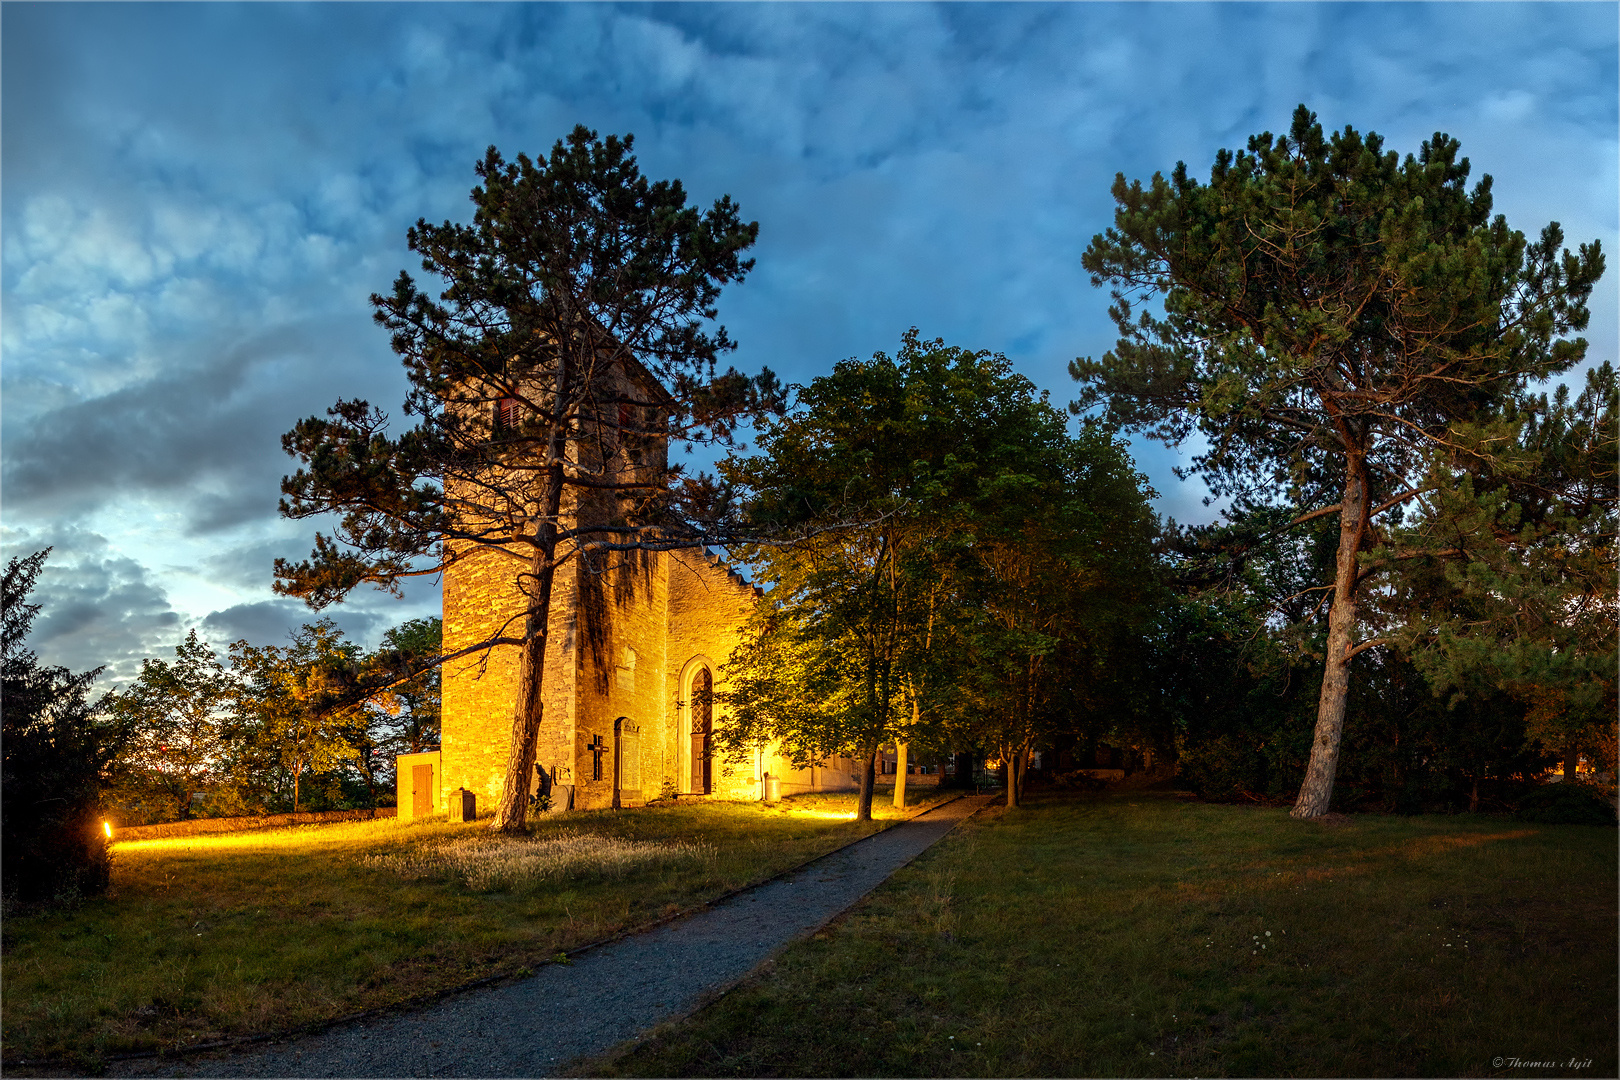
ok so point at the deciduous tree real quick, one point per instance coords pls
(1058, 579)
(977, 505)
(177, 714)
(298, 702)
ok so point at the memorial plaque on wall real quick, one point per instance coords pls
(626, 763)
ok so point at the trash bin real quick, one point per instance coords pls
(773, 788)
(463, 805)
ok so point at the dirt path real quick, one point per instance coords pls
(539, 1025)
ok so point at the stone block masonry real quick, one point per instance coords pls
(633, 637)
(629, 642)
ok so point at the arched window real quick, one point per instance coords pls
(702, 731)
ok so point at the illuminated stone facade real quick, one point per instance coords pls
(632, 643)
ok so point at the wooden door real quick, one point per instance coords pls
(702, 731)
(421, 790)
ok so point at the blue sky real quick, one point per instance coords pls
(197, 200)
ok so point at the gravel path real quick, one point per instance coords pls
(538, 1025)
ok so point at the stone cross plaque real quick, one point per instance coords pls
(626, 763)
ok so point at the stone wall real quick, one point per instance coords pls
(480, 691)
(709, 603)
(626, 633)
(624, 617)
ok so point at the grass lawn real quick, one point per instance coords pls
(210, 937)
(1143, 935)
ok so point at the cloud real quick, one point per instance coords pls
(183, 430)
(198, 199)
(266, 622)
(98, 608)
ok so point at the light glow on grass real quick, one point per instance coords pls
(289, 836)
(823, 815)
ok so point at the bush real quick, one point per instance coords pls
(57, 746)
(1566, 804)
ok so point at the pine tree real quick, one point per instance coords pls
(1332, 314)
(57, 746)
(567, 346)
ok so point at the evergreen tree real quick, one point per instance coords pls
(1509, 574)
(566, 347)
(411, 707)
(57, 747)
(1332, 315)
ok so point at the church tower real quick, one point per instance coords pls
(637, 642)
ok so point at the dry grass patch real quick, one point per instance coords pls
(495, 863)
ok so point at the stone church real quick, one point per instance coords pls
(636, 654)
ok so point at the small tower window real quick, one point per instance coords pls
(508, 412)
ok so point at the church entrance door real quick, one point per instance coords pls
(702, 731)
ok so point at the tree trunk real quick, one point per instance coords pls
(900, 775)
(863, 810)
(1571, 759)
(1012, 779)
(1317, 791)
(511, 810)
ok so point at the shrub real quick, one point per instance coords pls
(1566, 804)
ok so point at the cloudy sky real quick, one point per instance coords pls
(197, 200)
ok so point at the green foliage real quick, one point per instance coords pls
(1322, 296)
(177, 714)
(572, 268)
(1335, 320)
(564, 348)
(1509, 574)
(294, 707)
(1236, 702)
(1054, 589)
(313, 725)
(953, 568)
(57, 746)
(1566, 804)
(411, 708)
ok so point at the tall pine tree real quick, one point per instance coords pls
(1332, 313)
